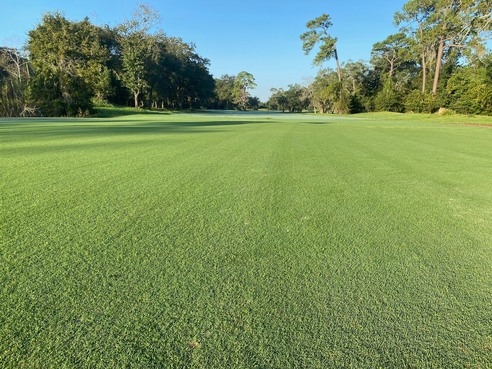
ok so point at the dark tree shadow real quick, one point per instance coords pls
(89, 129)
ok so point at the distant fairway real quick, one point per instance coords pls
(245, 241)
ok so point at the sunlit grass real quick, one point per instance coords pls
(245, 240)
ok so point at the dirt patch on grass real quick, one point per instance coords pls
(478, 125)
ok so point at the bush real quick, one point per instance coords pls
(342, 104)
(470, 91)
(417, 102)
(355, 104)
(388, 99)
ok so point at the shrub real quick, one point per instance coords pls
(388, 99)
(417, 102)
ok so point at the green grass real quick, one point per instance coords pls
(246, 241)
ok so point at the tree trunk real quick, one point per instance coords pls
(424, 74)
(438, 66)
(338, 65)
(151, 91)
(135, 96)
(18, 65)
(424, 62)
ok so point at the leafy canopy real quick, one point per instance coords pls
(318, 34)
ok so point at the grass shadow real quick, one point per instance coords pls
(91, 131)
(114, 112)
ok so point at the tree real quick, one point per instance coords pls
(358, 82)
(244, 81)
(388, 99)
(394, 50)
(14, 79)
(68, 62)
(392, 59)
(73, 64)
(224, 90)
(328, 94)
(415, 15)
(199, 84)
(295, 99)
(254, 102)
(318, 34)
(278, 100)
(470, 89)
(183, 75)
(462, 25)
(136, 48)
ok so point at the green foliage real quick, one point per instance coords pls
(470, 91)
(71, 64)
(178, 77)
(359, 85)
(295, 99)
(243, 82)
(324, 92)
(388, 99)
(341, 98)
(136, 48)
(327, 94)
(318, 34)
(278, 100)
(393, 51)
(447, 27)
(224, 90)
(68, 61)
(357, 104)
(246, 240)
(417, 102)
(254, 102)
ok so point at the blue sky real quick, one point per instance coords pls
(261, 37)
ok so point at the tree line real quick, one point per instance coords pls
(438, 59)
(67, 67)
